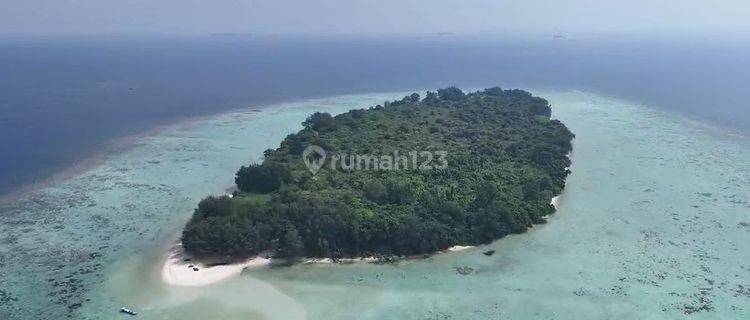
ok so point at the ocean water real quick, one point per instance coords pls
(653, 224)
(64, 100)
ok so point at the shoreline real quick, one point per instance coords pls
(555, 201)
(180, 270)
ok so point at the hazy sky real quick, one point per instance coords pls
(664, 17)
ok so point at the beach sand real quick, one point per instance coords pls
(178, 270)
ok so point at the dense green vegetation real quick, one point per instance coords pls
(506, 160)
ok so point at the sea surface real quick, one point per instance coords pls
(653, 224)
(66, 101)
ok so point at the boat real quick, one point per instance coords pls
(128, 311)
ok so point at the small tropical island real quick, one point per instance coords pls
(409, 177)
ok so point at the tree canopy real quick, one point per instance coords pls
(506, 159)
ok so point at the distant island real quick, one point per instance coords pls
(412, 176)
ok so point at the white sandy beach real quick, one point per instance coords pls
(178, 272)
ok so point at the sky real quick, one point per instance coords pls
(377, 17)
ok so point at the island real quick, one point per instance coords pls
(408, 177)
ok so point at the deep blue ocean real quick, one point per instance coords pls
(63, 100)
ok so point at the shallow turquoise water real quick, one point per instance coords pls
(60, 244)
(654, 224)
